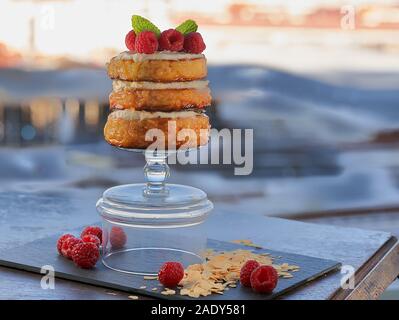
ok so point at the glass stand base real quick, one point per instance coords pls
(147, 224)
(178, 204)
(147, 261)
(141, 232)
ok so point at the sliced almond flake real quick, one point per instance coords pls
(247, 243)
(193, 295)
(221, 271)
(168, 292)
(184, 292)
(133, 297)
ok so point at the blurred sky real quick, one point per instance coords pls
(294, 35)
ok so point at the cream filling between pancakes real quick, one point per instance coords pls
(118, 85)
(160, 55)
(130, 114)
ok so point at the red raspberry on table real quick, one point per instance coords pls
(117, 238)
(91, 238)
(94, 230)
(130, 40)
(264, 279)
(246, 270)
(170, 274)
(146, 42)
(85, 255)
(61, 241)
(171, 40)
(193, 43)
(68, 246)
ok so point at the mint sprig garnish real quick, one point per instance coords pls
(187, 26)
(141, 24)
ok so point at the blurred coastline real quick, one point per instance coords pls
(295, 58)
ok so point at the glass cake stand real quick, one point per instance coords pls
(147, 224)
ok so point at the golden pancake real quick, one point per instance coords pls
(160, 100)
(131, 132)
(157, 70)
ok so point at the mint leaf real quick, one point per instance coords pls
(187, 26)
(141, 24)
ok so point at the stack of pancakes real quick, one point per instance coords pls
(151, 91)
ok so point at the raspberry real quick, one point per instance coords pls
(264, 279)
(170, 274)
(61, 241)
(117, 238)
(96, 231)
(146, 42)
(193, 43)
(91, 238)
(130, 40)
(68, 246)
(85, 255)
(246, 270)
(171, 40)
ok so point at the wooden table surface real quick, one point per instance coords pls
(374, 255)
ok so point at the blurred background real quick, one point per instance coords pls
(317, 80)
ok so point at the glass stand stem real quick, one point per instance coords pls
(156, 171)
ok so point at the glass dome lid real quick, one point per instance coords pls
(174, 206)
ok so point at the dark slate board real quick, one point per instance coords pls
(32, 256)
